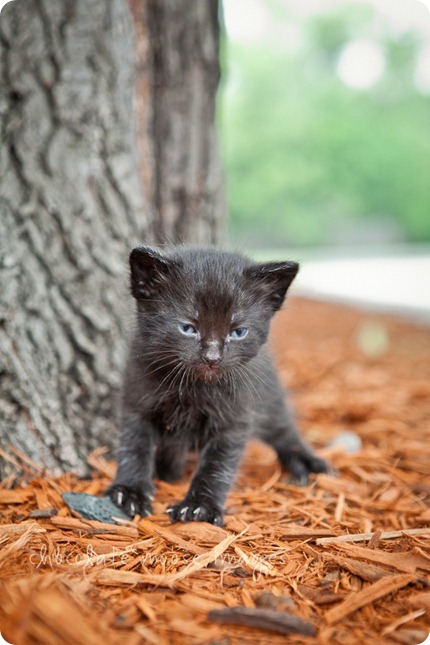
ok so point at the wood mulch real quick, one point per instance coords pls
(343, 560)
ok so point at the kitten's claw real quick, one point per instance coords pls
(130, 500)
(186, 511)
(183, 513)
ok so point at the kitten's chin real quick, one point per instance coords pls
(208, 373)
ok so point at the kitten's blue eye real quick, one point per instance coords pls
(239, 333)
(187, 329)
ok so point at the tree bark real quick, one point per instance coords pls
(71, 207)
(71, 204)
(178, 76)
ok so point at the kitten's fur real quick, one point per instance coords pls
(194, 383)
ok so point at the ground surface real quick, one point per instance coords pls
(286, 553)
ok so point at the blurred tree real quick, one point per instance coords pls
(71, 199)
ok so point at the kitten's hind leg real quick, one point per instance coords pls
(298, 458)
(294, 454)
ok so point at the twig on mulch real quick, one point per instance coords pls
(283, 623)
(363, 537)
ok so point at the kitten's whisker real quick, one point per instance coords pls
(184, 374)
(151, 352)
(243, 384)
(254, 387)
(232, 384)
(179, 376)
(169, 375)
(144, 374)
(189, 381)
(262, 378)
(247, 381)
(161, 367)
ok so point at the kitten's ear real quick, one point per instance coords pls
(273, 279)
(149, 271)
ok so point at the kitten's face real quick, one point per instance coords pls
(204, 313)
(215, 331)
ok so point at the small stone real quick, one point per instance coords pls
(372, 339)
(348, 440)
(101, 509)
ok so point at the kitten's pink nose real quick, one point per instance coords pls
(212, 361)
(212, 353)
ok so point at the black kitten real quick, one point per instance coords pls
(199, 377)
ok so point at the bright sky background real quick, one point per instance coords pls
(361, 63)
(248, 20)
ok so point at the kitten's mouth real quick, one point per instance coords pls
(208, 372)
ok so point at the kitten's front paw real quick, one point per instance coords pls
(301, 464)
(195, 511)
(131, 501)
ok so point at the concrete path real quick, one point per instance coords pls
(398, 282)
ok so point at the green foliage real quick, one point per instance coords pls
(307, 156)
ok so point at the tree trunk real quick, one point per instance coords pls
(71, 207)
(178, 75)
(71, 204)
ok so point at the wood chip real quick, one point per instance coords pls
(401, 621)
(421, 600)
(401, 561)
(10, 530)
(304, 533)
(91, 526)
(368, 595)
(381, 535)
(19, 544)
(149, 528)
(204, 559)
(146, 609)
(149, 635)
(15, 496)
(61, 618)
(366, 571)
(254, 563)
